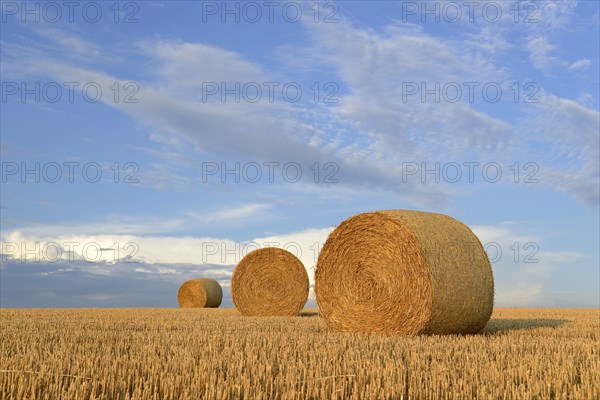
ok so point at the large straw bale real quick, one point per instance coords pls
(407, 272)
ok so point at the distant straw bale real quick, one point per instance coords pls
(200, 293)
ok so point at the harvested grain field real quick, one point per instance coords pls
(219, 354)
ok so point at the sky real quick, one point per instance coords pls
(147, 143)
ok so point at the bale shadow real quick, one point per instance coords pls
(501, 325)
(309, 314)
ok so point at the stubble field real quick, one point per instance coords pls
(218, 354)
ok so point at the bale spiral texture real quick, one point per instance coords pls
(269, 282)
(407, 272)
(200, 293)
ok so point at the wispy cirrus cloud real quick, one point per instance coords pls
(253, 132)
(378, 127)
(580, 64)
(117, 224)
(568, 146)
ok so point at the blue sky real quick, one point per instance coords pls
(486, 112)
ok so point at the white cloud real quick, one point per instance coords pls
(522, 265)
(236, 215)
(183, 66)
(189, 250)
(540, 53)
(69, 43)
(519, 294)
(499, 234)
(305, 244)
(580, 64)
(551, 17)
(554, 15)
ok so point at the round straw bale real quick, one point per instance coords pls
(200, 293)
(407, 272)
(269, 282)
